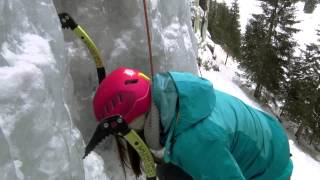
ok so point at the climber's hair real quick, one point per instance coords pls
(129, 156)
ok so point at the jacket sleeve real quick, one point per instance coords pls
(212, 162)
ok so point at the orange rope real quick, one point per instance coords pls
(149, 36)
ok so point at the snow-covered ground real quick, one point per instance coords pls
(305, 167)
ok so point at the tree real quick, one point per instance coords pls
(204, 4)
(224, 26)
(303, 100)
(310, 5)
(254, 50)
(270, 38)
(235, 32)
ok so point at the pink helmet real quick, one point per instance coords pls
(124, 92)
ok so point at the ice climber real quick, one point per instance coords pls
(206, 134)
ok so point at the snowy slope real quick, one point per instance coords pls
(227, 78)
(305, 167)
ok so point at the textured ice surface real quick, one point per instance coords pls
(37, 138)
(41, 104)
(118, 29)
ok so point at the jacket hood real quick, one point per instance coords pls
(183, 99)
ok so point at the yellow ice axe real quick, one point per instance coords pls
(116, 125)
(68, 22)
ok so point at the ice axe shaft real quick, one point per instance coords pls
(68, 22)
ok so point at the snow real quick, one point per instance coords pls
(305, 167)
(94, 167)
(308, 25)
(221, 81)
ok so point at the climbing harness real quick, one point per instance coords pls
(114, 125)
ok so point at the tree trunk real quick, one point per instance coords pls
(309, 6)
(272, 21)
(257, 91)
(197, 18)
(200, 71)
(225, 63)
(282, 110)
(299, 131)
(204, 26)
(316, 147)
(312, 138)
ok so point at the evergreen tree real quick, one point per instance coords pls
(310, 5)
(224, 26)
(252, 49)
(235, 32)
(303, 101)
(272, 44)
(219, 22)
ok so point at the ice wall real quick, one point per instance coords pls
(45, 94)
(118, 29)
(37, 137)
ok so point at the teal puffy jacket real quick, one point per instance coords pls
(212, 135)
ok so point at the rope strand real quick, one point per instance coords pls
(149, 37)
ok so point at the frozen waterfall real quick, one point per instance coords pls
(48, 78)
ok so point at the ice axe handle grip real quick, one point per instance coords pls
(67, 21)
